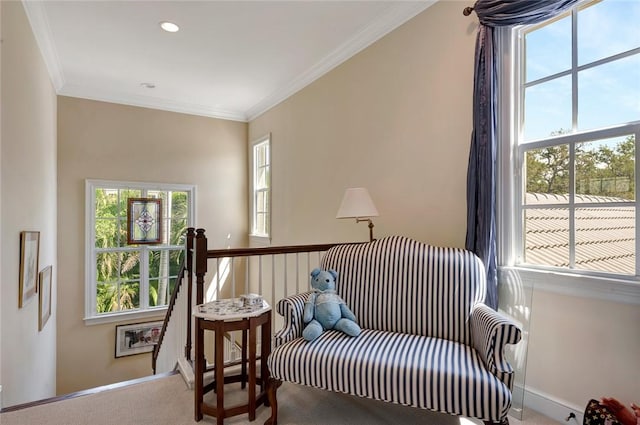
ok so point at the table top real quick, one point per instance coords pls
(229, 309)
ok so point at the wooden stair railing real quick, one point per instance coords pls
(186, 267)
(202, 255)
(195, 263)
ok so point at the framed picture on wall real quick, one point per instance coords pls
(44, 296)
(144, 221)
(29, 252)
(137, 338)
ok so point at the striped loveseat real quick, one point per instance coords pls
(427, 339)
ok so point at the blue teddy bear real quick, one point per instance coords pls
(325, 309)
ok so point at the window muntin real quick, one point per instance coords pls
(124, 278)
(577, 129)
(261, 187)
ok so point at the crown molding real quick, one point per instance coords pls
(396, 15)
(150, 102)
(36, 14)
(42, 32)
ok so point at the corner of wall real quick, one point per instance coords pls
(28, 135)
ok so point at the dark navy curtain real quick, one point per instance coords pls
(481, 174)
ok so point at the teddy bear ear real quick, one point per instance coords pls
(315, 272)
(334, 273)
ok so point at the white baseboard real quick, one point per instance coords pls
(534, 399)
(516, 401)
(552, 407)
(185, 369)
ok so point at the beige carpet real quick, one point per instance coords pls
(168, 401)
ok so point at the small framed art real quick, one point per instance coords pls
(137, 338)
(44, 295)
(144, 221)
(29, 252)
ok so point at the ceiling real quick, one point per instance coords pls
(230, 59)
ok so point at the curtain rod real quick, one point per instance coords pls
(467, 11)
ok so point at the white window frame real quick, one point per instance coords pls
(91, 315)
(253, 190)
(602, 286)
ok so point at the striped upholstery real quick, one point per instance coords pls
(400, 285)
(491, 332)
(291, 309)
(427, 339)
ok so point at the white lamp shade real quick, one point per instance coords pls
(357, 203)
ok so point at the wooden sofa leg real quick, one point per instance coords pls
(272, 387)
(505, 421)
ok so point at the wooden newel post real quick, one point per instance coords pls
(191, 234)
(201, 264)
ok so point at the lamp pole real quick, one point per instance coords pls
(358, 220)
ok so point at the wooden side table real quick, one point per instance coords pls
(224, 316)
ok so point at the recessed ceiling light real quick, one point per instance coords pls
(148, 85)
(169, 26)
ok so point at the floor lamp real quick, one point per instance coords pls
(356, 203)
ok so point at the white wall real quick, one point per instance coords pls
(582, 348)
(100, 140)
(396, 119)
(28, 202)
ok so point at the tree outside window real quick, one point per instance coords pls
(128, 278)
(578, 121)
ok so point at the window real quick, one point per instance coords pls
(132, 280)
(576, 81)
(261, 187)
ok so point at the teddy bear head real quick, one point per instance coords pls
(323, 280)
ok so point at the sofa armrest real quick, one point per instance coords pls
(291, 308)
(491, 331)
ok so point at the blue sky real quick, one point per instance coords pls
(609, 94)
